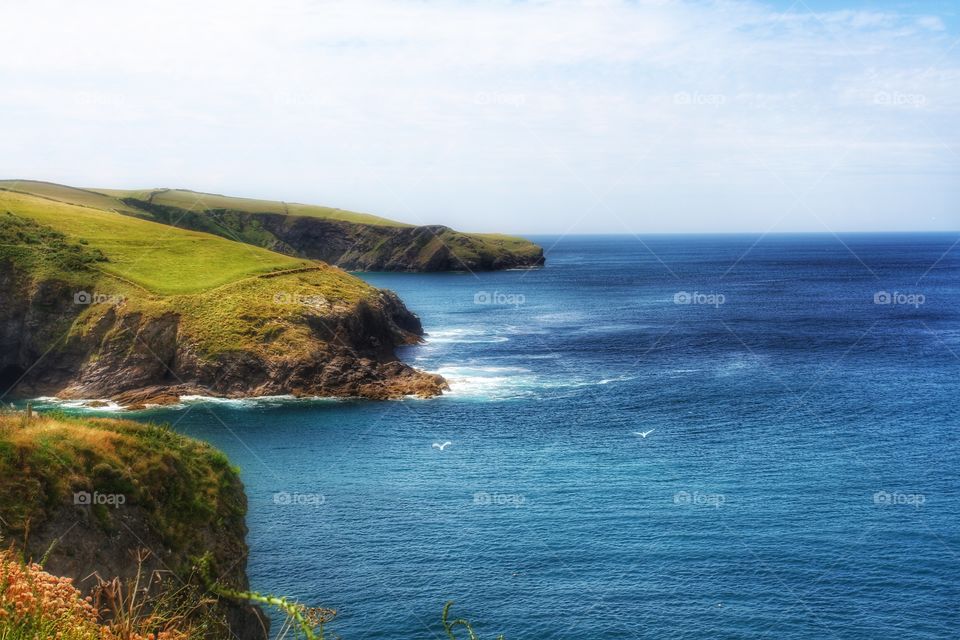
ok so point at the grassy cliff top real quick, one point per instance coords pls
(199, 201)
(229, 295)
(161, 259)
(46, 459)
(99, 499)
(515, 244)
(70, 195)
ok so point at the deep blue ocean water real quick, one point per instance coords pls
(800, 477)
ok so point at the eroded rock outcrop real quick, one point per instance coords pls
(142, 350)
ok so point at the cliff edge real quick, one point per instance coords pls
(99, 498)
(350, 240)
(95, 304)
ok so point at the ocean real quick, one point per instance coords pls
(723, 436)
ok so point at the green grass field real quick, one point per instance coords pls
(70, 195)
(212, 284)
(185, 208)
(159, 258)
(514, 244)
(112, 199)
(197, 201)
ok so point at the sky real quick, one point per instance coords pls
(545, 116)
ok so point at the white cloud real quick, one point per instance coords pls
(493, 115)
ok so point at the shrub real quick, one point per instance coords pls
(35, 604)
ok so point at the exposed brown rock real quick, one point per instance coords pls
(140, 360)
(352, 246)
(82, 541)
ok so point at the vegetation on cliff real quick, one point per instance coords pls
(120, 512)
(118, 530)
(37, 605)
(159, 260)
(353, 241)
(114, 304)
(180, 485)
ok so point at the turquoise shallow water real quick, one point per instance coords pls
(799, 480)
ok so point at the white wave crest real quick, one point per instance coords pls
(473, 336)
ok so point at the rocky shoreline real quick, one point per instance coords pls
(81, 318)
(120, 353)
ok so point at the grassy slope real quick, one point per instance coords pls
(45, 460)
(70, 195)
(209, 281)
(503, 240)
(198, 201)
(184, 492)
(46, 252)
(496, 242)
(159, 258)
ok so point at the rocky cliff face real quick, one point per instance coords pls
(370, 248)
(111, 499)
(144, 351)
(353, 246)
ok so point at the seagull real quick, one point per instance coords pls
(437, 445)
(643, 434)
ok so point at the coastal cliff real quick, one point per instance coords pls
(350, 240)
(103, 499)
(350, 245)
(94, 304)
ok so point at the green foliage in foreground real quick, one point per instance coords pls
(448, 625)
(308, 623)
(46, 458)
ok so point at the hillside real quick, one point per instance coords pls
(96, 304)
(353, 241)
(88, 494)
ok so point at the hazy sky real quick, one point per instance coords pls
(598, 116)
